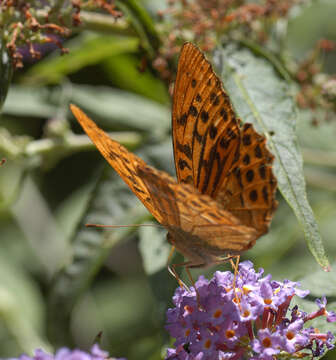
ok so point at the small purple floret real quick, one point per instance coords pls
(251, 321)
(66, 354)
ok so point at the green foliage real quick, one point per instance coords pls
(6, 72)
(85, 50)
(61, 282)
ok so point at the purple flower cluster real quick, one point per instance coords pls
(218, 322)
(66, 354)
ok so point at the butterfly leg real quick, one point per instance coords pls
(187, 265)
(235, 268)
(172, 270)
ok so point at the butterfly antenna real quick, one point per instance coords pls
(121, 226)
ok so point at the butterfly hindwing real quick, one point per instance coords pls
(202, 223)
(249, 192)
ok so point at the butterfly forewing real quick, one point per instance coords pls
(205, 129)
(212, 152)
(124, 162)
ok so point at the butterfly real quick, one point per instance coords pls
(224, 196)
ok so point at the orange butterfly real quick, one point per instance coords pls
(224, 199)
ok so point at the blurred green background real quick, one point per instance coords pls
(62, 283)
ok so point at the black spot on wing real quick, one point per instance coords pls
(262, 171)
(237, 173)
(213, 131)
(224, 143)
(247, 140)
(254, 195)
(197, 135)
(215, 101)
(185, 149)
(182, 120)
(265, 194)
(204, 116)
(183, 164)
(249, 175)
(257, 151)
(223, 114)
(193, 111)
(246, 159)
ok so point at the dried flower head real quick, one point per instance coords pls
(204, 21)
(27, 23)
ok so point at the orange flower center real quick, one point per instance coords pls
(246, 313)
(207, 343)
(268, 301)
(188, 308)
(290, 335)
(217, 313)
(267, 342)
(230, 334)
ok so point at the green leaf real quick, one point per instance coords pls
(21, 307)
(320, 283)
(85, 50)
(111, 204)
(29, 101)
(44, 235)
(261, 98)
(6, 72)
(123, 71)
(122, 108)
(154, 249)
